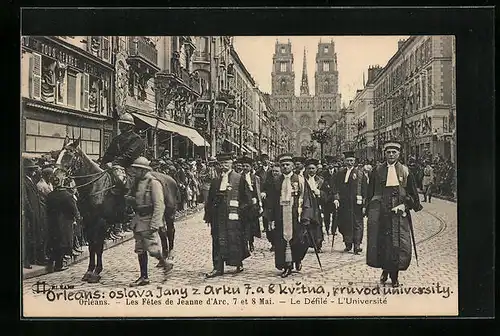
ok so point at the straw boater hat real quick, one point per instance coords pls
(392, 144)
(141, 162)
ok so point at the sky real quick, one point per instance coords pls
(354, 55)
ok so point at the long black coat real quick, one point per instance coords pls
(389, 244)
(35, 225)
(228, 234)
(300, 241)
(349, 211)
(61, 213)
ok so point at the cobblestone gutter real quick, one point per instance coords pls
(36, 270)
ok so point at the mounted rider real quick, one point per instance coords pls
(124, 149)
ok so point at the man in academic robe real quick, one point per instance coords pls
(271, 191)
(226, 198)
(350, 193)
(316, 198)
(291, 242)
(299, 168)
(251, 213)
(328, 206)
(264, 173)
(392, 193)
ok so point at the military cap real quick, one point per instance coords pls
(285, 158)
(245, 159)
(349, 154)
(311, 162)
(299, 159)
(229, 156)
(141, 162)
(392, 144)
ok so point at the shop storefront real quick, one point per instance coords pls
(66, 92)
(44, 129)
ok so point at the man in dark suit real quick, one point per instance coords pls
(327, 188)
(350, 193)
(264, 173)
(270, 190)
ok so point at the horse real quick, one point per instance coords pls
(101, 201)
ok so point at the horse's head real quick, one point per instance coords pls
(70, 156)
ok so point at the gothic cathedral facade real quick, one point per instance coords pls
(300, 114)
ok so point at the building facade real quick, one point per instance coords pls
(414, 91)
(362, 106)
(66, 90)
(300, 114)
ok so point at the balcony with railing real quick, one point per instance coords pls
(142, 50)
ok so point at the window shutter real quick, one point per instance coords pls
(36, 76)
(106, 49)
(85, 92)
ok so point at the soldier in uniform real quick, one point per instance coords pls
(350, 193)
(149, 218)
(392, 193)
(123, 150)
(126, 147)
(226, 198)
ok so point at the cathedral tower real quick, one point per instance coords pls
(283, 76)
(304, 84)
(326, 81)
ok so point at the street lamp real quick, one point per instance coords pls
(320, 135)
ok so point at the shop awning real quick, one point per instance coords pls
(232, 143)
(195, 137)
(252, 149)
(171, 127)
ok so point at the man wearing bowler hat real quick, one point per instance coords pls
(349, 197)
(226, 199)
(392, 193)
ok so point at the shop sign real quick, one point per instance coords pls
(50, 49)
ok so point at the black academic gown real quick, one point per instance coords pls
(389, 244)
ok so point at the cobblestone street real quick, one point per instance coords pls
(436, 236)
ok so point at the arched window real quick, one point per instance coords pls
(326, 87)
(283, 85)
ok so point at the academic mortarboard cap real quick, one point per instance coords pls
(246, 159)
(299, 159)
(285, 158)
(227, 156)
(392, 144)
(311, 162)
(349, 154)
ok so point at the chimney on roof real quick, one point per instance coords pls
(373, 71)
(400, 43)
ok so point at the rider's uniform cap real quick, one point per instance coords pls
(141, 162)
